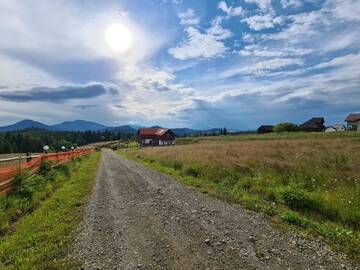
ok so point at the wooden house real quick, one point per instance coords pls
(156, 136)
(265, 129)
(315, 124)
(353, 121)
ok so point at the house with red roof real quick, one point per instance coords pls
(156, 136)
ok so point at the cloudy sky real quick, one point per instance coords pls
(198, 64)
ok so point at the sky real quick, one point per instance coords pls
(191, 63)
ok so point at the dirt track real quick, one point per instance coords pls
(141, 219)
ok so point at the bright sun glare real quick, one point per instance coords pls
(118, 37)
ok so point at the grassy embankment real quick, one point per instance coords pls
(313, 183)
(47, 207)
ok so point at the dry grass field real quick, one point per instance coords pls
(311, 182)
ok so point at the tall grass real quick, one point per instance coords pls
(41, 239)
(31, 190)
(301, 181)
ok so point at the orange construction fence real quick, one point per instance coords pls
(8, 173)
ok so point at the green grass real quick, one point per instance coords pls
(311, 184)
(41, 239)
(31, 190)
(270, 136)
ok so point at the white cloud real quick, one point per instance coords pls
(262, 67)
(290, 3)
(188, 17)
(260, 22)
(152, 93)
(303, 25)
(56, 32)
(15, 74)
(262, 4)
(345, 9)
(263, 51)
(202, 44)
(230, 11)
(247, 37)
(349, 60)
(340, 41)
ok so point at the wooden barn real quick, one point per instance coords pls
(156, 136)
(353, 121)
(315, 124)
(265, 129)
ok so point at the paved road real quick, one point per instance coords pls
(140, 219)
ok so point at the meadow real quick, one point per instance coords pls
(308, 180)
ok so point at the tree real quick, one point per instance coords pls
(285, 127)
(225, 132)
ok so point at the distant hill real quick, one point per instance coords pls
(24, 124)
(181, 132)
(82, 125)
(78, 125)
(122, 129)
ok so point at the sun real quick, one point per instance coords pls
(118, 37)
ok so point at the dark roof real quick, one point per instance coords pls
(153, 131)
(353, 117)
(315, 123)
(266, 128)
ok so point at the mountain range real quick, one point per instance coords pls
(82, 125)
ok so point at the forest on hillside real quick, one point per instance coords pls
(33, 140)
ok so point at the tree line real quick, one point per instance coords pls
(33, 140)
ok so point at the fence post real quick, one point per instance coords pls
(20, 163)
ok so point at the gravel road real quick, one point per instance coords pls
(141, 219)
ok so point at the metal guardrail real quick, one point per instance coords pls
(17, 158)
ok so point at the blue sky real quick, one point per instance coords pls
(198, 64)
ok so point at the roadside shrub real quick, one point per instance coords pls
(299, 200)
(18, 182)
(353, 220)
(193, 171)
(177, 164)
(294, 218)
(51, 176)
(20, 187)
(45, 168)
(64, 169)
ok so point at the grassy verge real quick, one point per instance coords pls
(30, 190)
(353, 135)
(311, 184)
(41, 239)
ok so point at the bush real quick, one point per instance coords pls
(20, 187)
(178, 165)
(63, 168)
(45, 168)
(18, 182)
(294, 218)
(193, 171)
(285, 127)
(299, 200)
